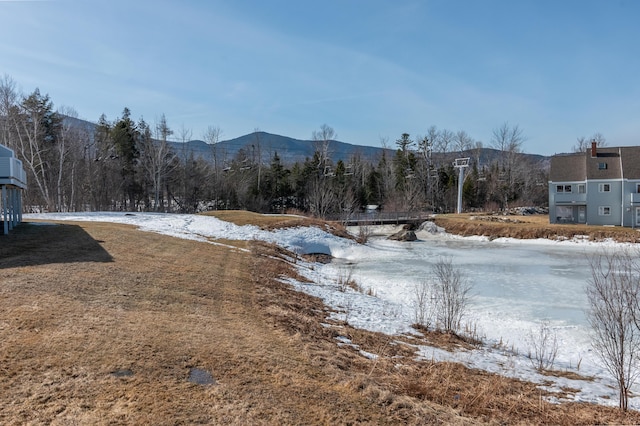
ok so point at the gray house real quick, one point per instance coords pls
(13, 180)
(598, 187)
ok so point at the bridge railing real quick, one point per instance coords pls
(378, 218)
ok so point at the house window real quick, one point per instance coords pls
(604, 187)
(563, 188)
(582, 189)
(604, 210)
(602, 166)
(564, 214)
(638, 188)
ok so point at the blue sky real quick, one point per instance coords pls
(371, 69)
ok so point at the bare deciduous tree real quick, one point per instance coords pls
(583, 143)
(599, 139)
(322, 139)
(212, 137)
(463, 141)
(320, 198)
(8, 100)
(413, 195)
(612, 293)
(508, 140)
(432, 134)
(451, 295)
(444, 140)
(158, 158)
(544, 346)
(422, 308)
(35, 126)
(69, 150)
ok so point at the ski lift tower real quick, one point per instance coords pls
(460, 164)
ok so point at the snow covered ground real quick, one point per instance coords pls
(517, 284)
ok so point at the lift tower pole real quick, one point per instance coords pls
(460, 164)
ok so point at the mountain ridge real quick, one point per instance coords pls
(264, 145)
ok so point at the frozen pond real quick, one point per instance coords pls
(527, 281)
(517, 285)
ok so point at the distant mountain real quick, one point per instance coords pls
(291, 150)
(485, 156)
(265, 145)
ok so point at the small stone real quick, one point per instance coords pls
(404, 235)
(201, 377)
(122, 372)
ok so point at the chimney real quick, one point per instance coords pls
(594, 150)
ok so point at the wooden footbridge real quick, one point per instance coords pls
(380, 218)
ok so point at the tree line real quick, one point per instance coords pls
(128, 165)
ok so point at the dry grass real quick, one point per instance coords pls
(243, 217)
(80, 303)
(534, 226)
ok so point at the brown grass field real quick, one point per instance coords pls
(102, 323)
(534, 226)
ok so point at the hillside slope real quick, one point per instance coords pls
(106, 324)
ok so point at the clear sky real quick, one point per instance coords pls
(371, 69)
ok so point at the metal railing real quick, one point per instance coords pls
(378, 218)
